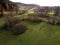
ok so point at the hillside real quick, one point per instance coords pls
(29, 24)
(37, 34)
(28, 5)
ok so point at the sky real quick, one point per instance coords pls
(40, 2)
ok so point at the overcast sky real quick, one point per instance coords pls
(40, 2)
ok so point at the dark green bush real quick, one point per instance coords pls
(34, 18)
(18, 29)
(13, 24)
(11, 21)
(52, 23)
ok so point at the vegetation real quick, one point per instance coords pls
(18, 29)
(37, 34)
(21, 25)
(14, 25)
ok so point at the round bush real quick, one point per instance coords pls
(18, 29)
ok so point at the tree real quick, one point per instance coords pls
(3, 6)
(57, 11)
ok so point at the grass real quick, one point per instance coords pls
(1, 22)
(37, 34)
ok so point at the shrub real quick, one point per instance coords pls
(58, 22)
(52, 23)
(1, 15)
(11, 21)
(22, 12)
(34, 18)
(18, 29)
(13, 24)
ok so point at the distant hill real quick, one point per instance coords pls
(28, 5)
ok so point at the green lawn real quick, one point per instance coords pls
(37, 34)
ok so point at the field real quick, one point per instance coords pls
(37, 34)
(29, 24)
